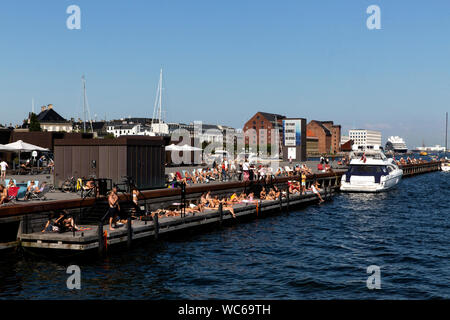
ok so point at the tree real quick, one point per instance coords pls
(109, 136)
(35, 125)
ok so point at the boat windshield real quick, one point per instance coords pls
(366, 170)
(372, 155)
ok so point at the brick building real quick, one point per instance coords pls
(335, 130)
(322, 133)
(265, 121)
(312, 144)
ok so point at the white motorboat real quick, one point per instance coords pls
(370, 171)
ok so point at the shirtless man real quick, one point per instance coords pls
(114, 207)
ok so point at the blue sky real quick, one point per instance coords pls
(225, 60)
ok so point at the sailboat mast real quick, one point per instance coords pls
(160, 99)
(83, 80)
(446, 129)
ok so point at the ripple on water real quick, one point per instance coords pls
(317, 252)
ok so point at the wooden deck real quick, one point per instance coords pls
(88, 238)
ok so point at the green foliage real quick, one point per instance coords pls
(34, 123)
(109, 136)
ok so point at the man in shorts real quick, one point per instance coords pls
(114, 207)
(3, 166)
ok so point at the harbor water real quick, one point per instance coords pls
(316, 252)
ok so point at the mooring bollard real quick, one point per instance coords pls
(221, 212)
(129, 232)
(156, 224)
(101, 246)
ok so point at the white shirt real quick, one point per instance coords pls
(3, 165)
(245, 166)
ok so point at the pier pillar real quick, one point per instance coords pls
(221, 213)
(156, 224)
(129, 232)
(101, 246)
(281, 202)
(287, 199)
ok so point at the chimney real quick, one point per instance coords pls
(43, 108)
(50, 106)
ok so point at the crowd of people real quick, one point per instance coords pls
(10, 191)
(267, 192)
(43, 163)
(228, 171)
(408, 160)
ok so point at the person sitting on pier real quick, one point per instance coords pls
(3, 195)
(65, 222)
(234, 199)
(273, 195)
(114, 207)
(294, 187)
(226, 206)
(316, 190)
(262, 195)
(51, 226)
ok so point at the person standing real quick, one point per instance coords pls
(245, 169)
(3, 166)
(113, 210)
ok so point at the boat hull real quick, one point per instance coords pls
(369, 186)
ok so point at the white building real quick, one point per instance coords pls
(128, 129)
(51, 121)
(436, 148)
(364, 137)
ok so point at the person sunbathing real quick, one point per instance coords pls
(262, 195)
(32, 188)
(3, 194)
(10, 184)
(234, 199)
(193, 208)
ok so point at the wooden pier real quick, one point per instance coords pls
(27, 220)
(101, 238)
(21, 224)
(410, 170)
